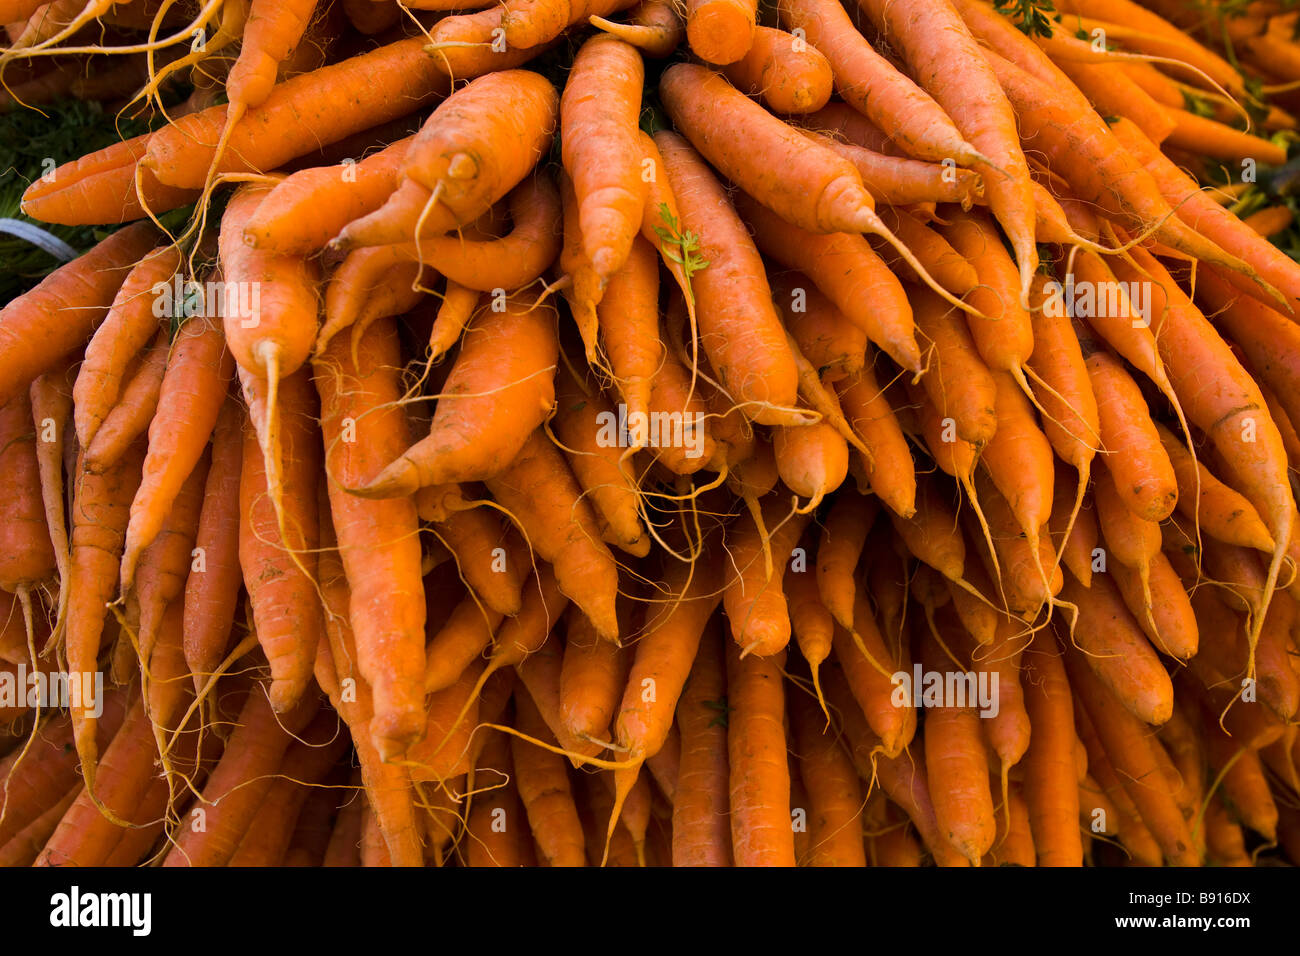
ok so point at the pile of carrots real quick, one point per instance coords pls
(574, 433)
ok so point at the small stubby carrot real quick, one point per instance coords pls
(738, 325)
(789, 74)
(135, 409)
(293, 219)
(834, 792)
(539, 491)
(753, 597)
(212, 588)
(279, 568)
(721, 31)
(199, 369)
(131, 321)
(813, 460)
(1050, 784)
(42, 326)
(502, 385)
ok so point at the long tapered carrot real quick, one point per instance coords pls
(279, 569)
(42, 326)
(212, 588)
(761, 834)
(872, 85)
(944, 56)
(834, 793)
(544, 790)
(701, 832)
(1050, 783)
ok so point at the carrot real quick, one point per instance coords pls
(595, 461)
(545, 791)
(240, 781)
(787, 73)
(870, 679)
(27, 558)
(496, 826)
(453, 647)
(1113, 92)
(959, 384)
(944, 264)
(839, 550)
(701, 833)
(834, 346)
(1050, 784)
(895, 181)
(1019, 458)
(570, 540)
(48, 323)
(476, 539)
(127, 328)
(135, 408)
(1116, 651)
(940, 50)
(598, 130)
(298, 116)
(294, 219)
(753, 598)
(849, 273)
(1167, 619)
(51, 398)
(510, 262)
(813, 460)
(25, 846)
(212, 588)
(592, 676)
(387, 786)
(871, 84)
(501, 386)
(760, 781)
(378, 540)
(721, 31)
(1143, 475)
(279, 567)
(628, 320)
(834, 796)
(1024, 580)
(739, 328)
(198, 375)
(165, 565)
(370, 283)
(812, 624)
(654, 27)
(1129, 750)
(100, 510)
(1080, 146)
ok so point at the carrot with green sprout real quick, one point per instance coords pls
(738, 326)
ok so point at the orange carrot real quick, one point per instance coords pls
(786, 72)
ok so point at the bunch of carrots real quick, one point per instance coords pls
(582, 433)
